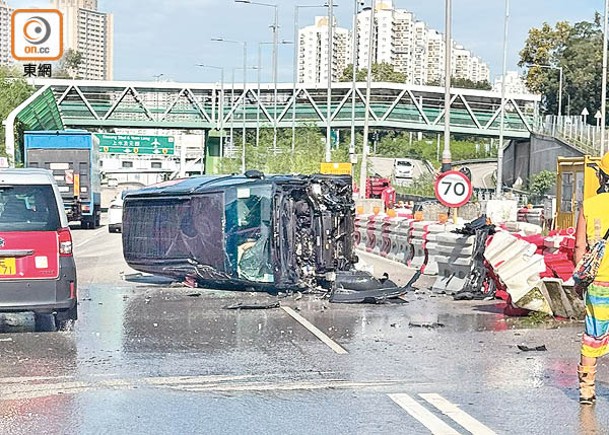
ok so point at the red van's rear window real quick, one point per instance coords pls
(28, 208)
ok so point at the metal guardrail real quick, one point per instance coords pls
(574, 131)
(475, 161)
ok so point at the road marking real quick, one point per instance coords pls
(315, 331)
(207, 383)
(424, 416)
(461, 417)
(93, 236)
(273, 386)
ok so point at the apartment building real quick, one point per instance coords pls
(398, 39)
(514, 83)
(90, 32)
(5, 33)
(313, 61)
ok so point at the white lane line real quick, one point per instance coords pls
(424, 416)
(93, 236)
(461, 417)
(316, 332)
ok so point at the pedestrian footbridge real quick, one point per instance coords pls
(105, 105)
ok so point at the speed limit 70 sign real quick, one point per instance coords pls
(453, 189)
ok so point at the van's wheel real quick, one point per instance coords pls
(64, 320)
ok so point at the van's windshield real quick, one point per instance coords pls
(403, 163)
(28, 208)
(248, 232)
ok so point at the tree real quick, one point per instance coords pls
(68, 65)
(399, 144)
(381, 72)
(13, 92)
(541, 183)
(464, 84)
(470, 84)
(309, 152)
(577, 49)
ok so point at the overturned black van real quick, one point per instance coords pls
(250, 232)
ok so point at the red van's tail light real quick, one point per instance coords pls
(65, 242)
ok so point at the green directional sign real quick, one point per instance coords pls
(133, 144)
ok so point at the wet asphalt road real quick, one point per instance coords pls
(153, 358)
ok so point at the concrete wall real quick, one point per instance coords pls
(523, 158)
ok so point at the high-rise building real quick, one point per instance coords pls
(435, 57)
(313, 59)
(411, 47)
(91, 33)
(5, 33)
(514, 84)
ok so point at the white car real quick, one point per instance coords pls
(115, 214)
(402, 168)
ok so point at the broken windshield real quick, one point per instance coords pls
(248, 229)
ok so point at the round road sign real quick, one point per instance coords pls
(453, 189)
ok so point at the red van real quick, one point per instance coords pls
(37, 270)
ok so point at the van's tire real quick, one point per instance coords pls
(64, 320)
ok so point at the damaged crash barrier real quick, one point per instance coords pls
(251, 233)
(478, 284)
(454, 261)
(518, 267)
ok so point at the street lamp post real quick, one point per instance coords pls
(354, 40)
(243, 139)
(604, 78)
(275, 27)
(258, 96)
(499, 187)
(446, 156)
(295, 72)
(260, 44)
(220, 109)
(329, 91)
(364, 165)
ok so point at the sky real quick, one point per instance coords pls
(171, 37)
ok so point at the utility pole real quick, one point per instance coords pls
(364, 165)
(329, 94)
(604, 79)
(499, 189)
(448, 45)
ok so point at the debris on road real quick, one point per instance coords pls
(525, 348)
(429, 325)
(253, 306)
